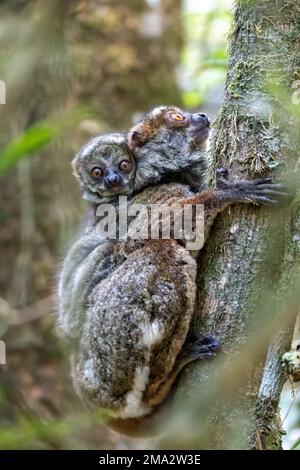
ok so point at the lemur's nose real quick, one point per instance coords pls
(113, 179)
(201, 119)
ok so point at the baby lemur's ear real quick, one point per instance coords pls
(139, 134)
(152, 123)
(135, 137)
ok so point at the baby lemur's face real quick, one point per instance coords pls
(169, 145)
(172, 127)
(105, 168)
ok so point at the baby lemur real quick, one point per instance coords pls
(125, 305)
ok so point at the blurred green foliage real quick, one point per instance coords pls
(37, 137)
(202, 72)
(204, 57)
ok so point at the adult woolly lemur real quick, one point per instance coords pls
(126, 305)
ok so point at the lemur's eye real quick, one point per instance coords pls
(97, 172)
(177, 117)
(125, 165)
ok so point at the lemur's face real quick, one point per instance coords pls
(105, 168)
(169, 146)
(169, 127)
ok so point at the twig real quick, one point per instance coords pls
(27, 314)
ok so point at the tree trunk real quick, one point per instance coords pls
(248, 272)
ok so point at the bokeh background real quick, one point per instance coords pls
(72, 70)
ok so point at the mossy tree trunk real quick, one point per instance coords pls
(248, 270)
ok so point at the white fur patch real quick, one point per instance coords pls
(157, 111)
(134, 407)
(152, 333)
(117, 139)
(60, 287)
(91, 379)
(78, 276)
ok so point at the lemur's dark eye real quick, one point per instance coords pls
(97, 172)
(177, 117)
(125, 165)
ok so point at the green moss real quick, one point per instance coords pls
(241, 78)
(269, 425)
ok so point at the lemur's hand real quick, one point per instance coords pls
(259, 191)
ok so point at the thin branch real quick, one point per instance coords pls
(27, 314)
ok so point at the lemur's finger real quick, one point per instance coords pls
(274, 186)
(258, 181)
(274, 192)
(260, 199)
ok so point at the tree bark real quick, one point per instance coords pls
(248, 272)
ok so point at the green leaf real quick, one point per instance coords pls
(26, 144)
(36, 138)
(296, 444)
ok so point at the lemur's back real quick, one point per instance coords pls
(137, 320)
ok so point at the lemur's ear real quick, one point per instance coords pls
(135, 138)
(143, 131)
(76, 165)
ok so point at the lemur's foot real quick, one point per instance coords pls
(202, 348)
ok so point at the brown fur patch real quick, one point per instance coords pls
(147, 128)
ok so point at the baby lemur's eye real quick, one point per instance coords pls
(97, 172)
(125, 165)
(177, 117)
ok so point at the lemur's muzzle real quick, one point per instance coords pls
(200, 120)
(113, 179)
